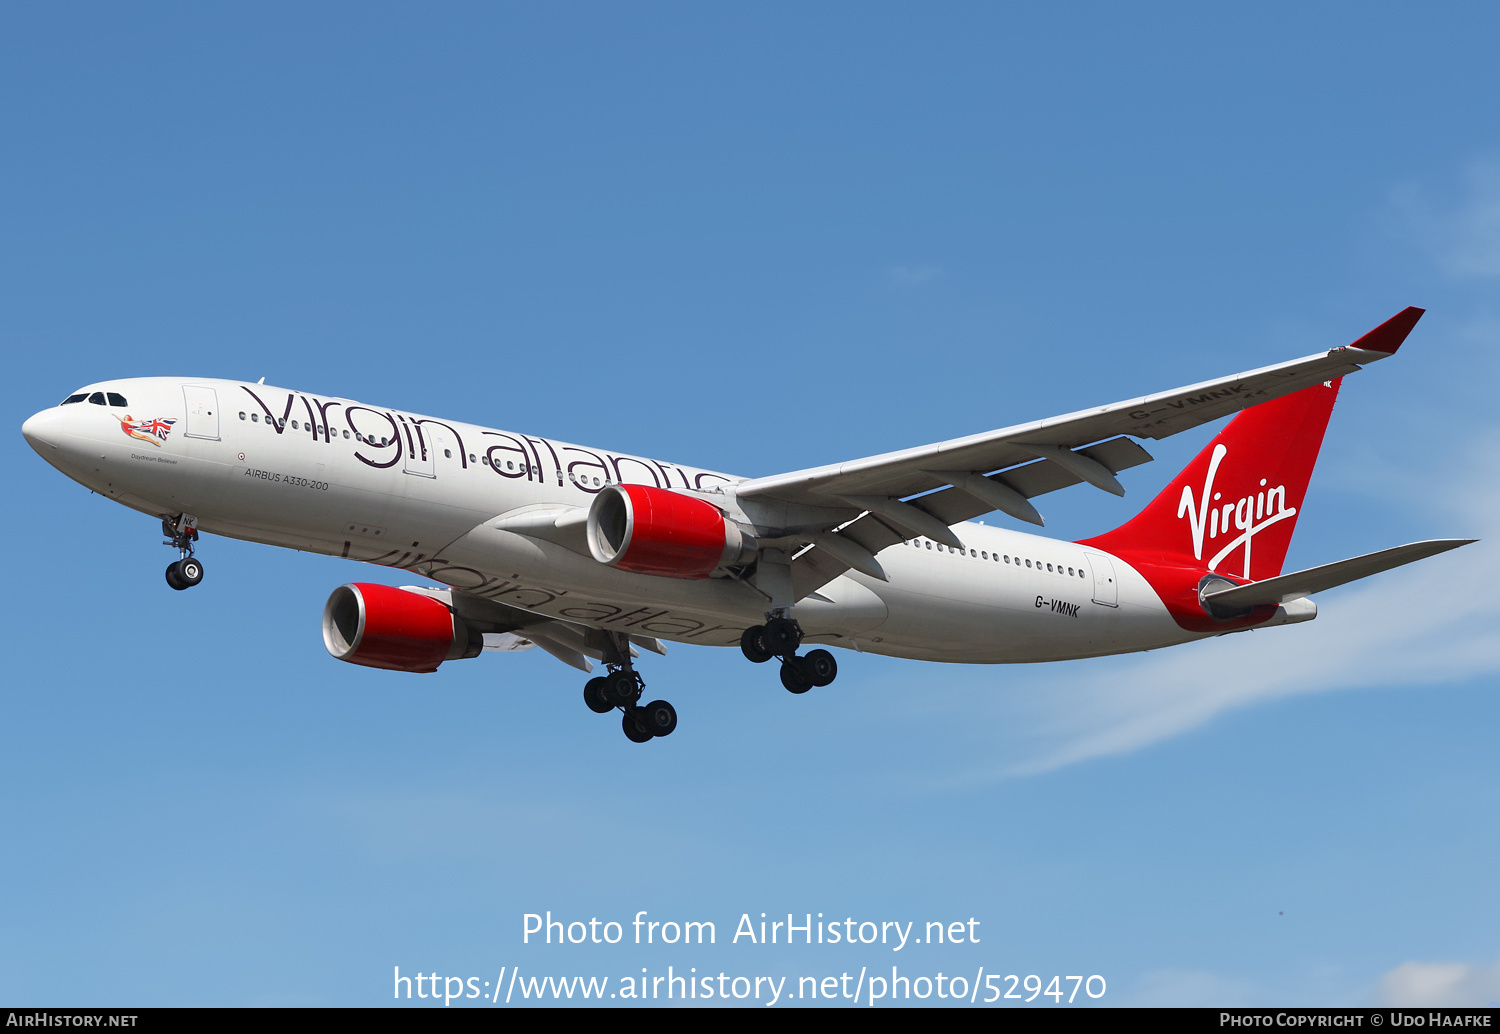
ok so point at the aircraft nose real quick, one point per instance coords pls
(42, 430)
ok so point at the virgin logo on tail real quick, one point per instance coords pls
(1210, 518)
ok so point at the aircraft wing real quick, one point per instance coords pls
(1003, 469)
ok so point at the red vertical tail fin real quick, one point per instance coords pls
(1232, 510)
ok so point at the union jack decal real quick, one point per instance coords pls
(153, 431)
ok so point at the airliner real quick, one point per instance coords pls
(594, 556)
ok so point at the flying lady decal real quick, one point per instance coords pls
(153, 431)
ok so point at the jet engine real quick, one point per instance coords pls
(657, 531)
(384, 627)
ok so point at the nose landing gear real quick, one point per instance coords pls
(182, 532)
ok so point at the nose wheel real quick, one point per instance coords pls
(185, 573)
(779, 637)
(182, 532)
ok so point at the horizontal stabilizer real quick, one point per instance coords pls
(1281, 589)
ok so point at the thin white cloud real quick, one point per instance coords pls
(1432, 622)
(1184, 988)
(1432, 984)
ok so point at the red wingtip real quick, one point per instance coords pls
(1387, 337)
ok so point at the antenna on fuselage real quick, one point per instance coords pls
(261, 381)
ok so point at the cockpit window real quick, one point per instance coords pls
(97, 398)
(116, 399)
(74, 398)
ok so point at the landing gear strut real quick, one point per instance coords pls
(621, 688)
(182, 532)
(779, 637)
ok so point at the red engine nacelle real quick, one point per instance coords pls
(657, 531)
(383, 627)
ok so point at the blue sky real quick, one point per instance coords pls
(753, 238)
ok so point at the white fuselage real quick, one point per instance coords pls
(397, 489)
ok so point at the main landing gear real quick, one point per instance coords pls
(182, 532)
(779, 637)
(621, 688)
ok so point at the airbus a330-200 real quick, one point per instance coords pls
(594, 555)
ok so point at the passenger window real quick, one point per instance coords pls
(242, 414)
(929, 545)
(973, 552)
(985, 555)
(116, 399)
(1049, 568)
(1028, 563)
(73, 398)
(97, 398)
(255, 418)
(448, 453)
(346, 434)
